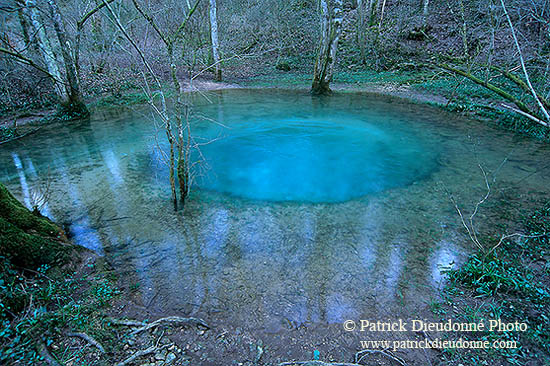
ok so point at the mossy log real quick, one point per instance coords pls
(28, 239)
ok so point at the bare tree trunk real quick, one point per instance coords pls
(492, 32)
(79, 28)
(178, 165)
(181, 165)
(373, 9)
(425, 5)
(24, 26)
(464, 30)
(46, 49)
(215, 41)
(326, 57)
(319, 85)
(381, 16)
(336, 31)
(361, 22)
(76, 106)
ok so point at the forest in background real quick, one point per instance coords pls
(458, 48)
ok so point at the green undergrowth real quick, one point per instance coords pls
(366, 77)
(475, 100)
(7, 133)
(464, 96)
(279, 79)
(131, 98)
(21, 105)
(395, 77)
(39, 308)
(510, 283)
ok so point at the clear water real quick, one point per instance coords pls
(314, 210)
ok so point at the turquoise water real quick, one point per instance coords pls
(306, 210)
(328, 157)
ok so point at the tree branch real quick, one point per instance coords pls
(28, 61)
(531, 89)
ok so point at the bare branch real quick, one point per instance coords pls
(527, 79)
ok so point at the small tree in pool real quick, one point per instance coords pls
(175, 121)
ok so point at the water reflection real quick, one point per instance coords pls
(270, 266)
(23, 181)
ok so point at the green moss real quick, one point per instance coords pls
(29, 250)
(15, 213)
(28, 239)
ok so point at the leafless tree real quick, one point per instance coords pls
(175, 120)
(331, 29)
(66, 84)
(215, 40)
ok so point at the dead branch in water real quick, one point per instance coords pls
(469, 225)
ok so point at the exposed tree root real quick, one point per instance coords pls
(88, 339)
(173, 320)
(138, 354)
(170, 320)
(126, 322)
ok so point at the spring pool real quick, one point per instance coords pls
(307, 210)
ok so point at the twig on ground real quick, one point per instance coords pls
(174, 320)
(138, 354)
(88, 339)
